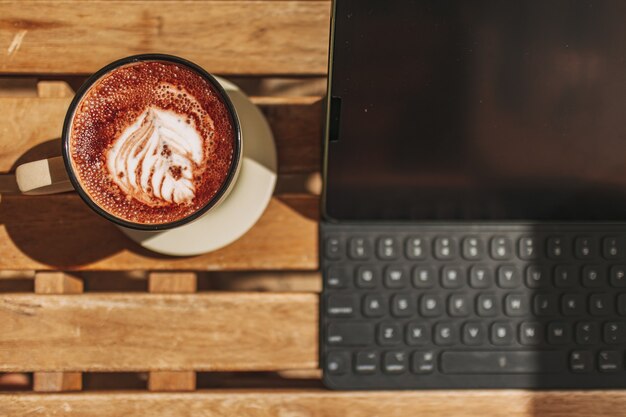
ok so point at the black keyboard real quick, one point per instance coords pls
(409, 306)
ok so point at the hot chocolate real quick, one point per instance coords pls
(152, 142)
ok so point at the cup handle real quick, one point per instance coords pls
(46, 176)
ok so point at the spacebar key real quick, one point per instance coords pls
(503, 362)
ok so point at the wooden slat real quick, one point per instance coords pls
(124, 332)
(57, 381)
(57, 283)
(172, 283)
(60, 232)
(54, 89)
(225, 37)
(297, 125)
(36, 122)
(161, 381)
(320, 403)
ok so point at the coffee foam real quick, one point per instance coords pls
(151, 142)
(155, 159)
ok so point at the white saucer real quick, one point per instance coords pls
(244, 205)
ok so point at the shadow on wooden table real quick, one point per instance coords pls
(47, 149)
(61, 231)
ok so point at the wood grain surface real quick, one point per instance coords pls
(224, 37)
(172, 283)
(158, 332)
(57, 283)
(59, 232)
(32, 126)
(320, 403)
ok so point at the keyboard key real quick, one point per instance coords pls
(424, 277)
(558, 333)
(395, 277)
(423, 362)
(473, 248)
(609, 361)
(474, 333)
(593, 276)
(374, 305)
(403, 305)
(587, 333)
(621, 304)
(581, 361)
(486, 305)
(502, 334)
(530, 333)
(528, 248)
(445, 248)
(516, 305)
(395, 362)
(508, 277)
(501, 248)
(334, 248)
(366, 362)
(545, 305)
(537, 277)
(618, 276)
(585, 247)
(565, 276)
(446, 334)
(367, 277)
(359, 248)
(337, 363)
(417, 334)
(506, 362)
(615, 332)
(452, 277)
(481, 277)
(556, 247)
(601, 304)
(613, 247)
(416, 248)
(337, 277)
(431, 305)
(459, 305)
(340, 305)
(387, 248)
(573, 305)
(350, 334)
(389, 334)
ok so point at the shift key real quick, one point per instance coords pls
(350, 334)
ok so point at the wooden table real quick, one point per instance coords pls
(92, 325)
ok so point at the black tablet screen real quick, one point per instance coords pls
(477, 110)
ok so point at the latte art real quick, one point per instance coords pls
(152, 143)
(154, 159)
